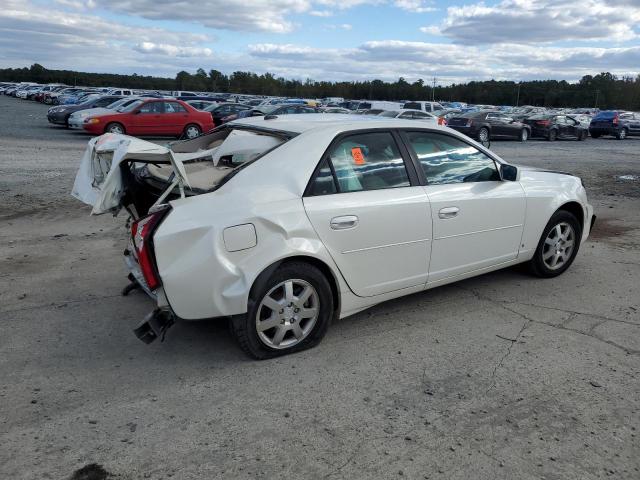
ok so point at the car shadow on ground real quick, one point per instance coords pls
(213, 340)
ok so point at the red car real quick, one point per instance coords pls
(157, 116)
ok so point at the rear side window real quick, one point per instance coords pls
(324, 183)
(607, 115)
(368, 161)
(445, 159)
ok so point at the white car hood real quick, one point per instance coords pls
(91, 112)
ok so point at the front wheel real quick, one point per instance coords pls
(553, 134)
(192, 131)
(582, 136)
(524, 135)
(558, 245)
(114, 128)
(289, 310)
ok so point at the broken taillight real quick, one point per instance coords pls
(142, 234)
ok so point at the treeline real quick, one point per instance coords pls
(604, 90)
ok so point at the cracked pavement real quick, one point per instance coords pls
(503, 376)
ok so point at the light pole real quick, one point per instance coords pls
(518, 96)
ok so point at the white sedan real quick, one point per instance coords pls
(284, 223)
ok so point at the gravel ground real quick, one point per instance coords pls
(501, 376)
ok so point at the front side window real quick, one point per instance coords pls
(445, 159)
(151, 107)
(412, 106)
(368, 161)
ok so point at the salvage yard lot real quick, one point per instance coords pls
(500, 376)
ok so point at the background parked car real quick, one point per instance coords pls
(554, 127)
(431, 107)
(616, 123)
(164, 117)
(486, 125)
(60, 115)
(406, 114)
(223, 110)
(76, 119)
(200, 104)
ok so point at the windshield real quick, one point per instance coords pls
(131, 106)
(118, 103)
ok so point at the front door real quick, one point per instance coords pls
(148, 119)
(369, 211)
(477, 218)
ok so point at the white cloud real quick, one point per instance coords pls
(416, 6)
(547, 21)
(173, 50)
(321, 13)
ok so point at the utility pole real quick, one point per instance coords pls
(518, 97)
(597, 95)
(433, 90)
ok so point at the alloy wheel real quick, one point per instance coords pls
(558, 246)
(483, 135)
(287, 314)
(192, 132)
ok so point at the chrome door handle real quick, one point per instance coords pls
(448, 212)
(342, 223)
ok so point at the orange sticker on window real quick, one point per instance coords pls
(358, 157)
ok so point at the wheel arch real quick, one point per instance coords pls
(316, 262)
(574, 208)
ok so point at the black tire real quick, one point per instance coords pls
(524, 135)
(193, 127)
(595, 135)
(553, 135)
(622, 134)
(537, 264)
(244, 327)
(484, 131)
(582, 136)
(114, 125)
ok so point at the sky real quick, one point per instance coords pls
(455, 41)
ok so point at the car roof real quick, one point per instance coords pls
(299, 123)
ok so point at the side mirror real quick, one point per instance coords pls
(508, 172)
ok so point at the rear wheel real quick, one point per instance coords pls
(582, 135)
(192, 131)
(483, 135)
(289, 310)
(114, 127)
(622, 134)
(524, 135)
(558, 245)
(553, 134)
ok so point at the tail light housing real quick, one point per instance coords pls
(469, 122)
(442, 121)
(615, 119)
(142, 234)
(543, 123)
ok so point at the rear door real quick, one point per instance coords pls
(175, 118)
(369, 210)
(497, 125)
(477, 218)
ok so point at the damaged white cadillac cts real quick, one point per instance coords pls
(283, 224)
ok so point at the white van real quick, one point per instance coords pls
(377, 105)
(424, 106)
(123, 92)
